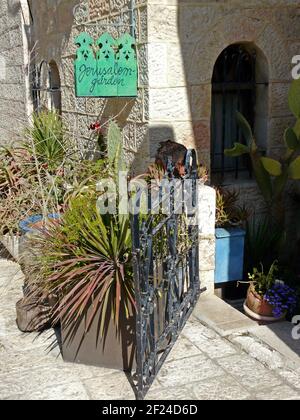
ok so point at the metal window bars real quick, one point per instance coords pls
(38, 86)
(234, 88)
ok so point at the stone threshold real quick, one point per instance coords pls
(260, 341)
(221, 317)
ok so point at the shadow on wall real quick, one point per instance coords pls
(52, 27)
(13, 6)
(157, 134)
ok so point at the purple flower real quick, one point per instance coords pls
(282, 298)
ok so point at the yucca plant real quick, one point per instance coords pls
(87, 262)
(46, 138)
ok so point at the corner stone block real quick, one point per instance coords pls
(162, 23)
(169, 104)
(157, 64)
(207, 280)
(207, 253)
(206, 223)
(206, 210)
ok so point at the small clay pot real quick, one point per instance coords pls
(258, 304)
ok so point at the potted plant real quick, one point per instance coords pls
(230, 237)
(268, 299)
(44, 182)
(87, 262)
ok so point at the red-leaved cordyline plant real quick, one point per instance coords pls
(87, 264)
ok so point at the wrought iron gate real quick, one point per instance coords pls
(166, 274)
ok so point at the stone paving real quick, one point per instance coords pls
(202, 365)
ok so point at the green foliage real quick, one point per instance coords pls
(228, 213)
(291, 139)
(294, 169)
(115, 152)
(28, 187)
(272, 166)
(113, 141)
(87, 259)
(47, 139)
(272, 175)
(262, 281)
(18, 184)
(80, 178)
(237, 150)
(246, 129)
(294, 98)
(263, 241)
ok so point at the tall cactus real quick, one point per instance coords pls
(271, 174)
(115, 152)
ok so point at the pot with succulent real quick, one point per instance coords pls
(230, 237)
(85, 260)
(268, 299)
(50, 176)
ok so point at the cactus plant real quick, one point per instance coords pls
(271, 174)
(115, 152)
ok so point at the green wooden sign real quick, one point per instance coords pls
(112, 71)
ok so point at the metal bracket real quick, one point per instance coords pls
(81, 12)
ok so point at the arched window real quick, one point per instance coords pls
(235, 88)
(46, 87)
(54, 86)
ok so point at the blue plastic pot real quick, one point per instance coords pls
(229, 254)
(25, 224)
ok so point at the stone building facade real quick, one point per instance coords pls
(14, 94)
(178, 45)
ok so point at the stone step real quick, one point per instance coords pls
(221, 317)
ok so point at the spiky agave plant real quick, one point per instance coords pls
(86, 262)
(46, 138)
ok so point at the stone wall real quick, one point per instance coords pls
(185, 39)
(56, 27)
(13, 104)
(178, 44)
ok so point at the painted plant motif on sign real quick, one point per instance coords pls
(111, 72)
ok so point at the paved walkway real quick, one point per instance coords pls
(202, 365)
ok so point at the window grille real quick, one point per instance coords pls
(233, 89)
(45, 86)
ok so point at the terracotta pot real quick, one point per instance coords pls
(258, 304)
(259, 309)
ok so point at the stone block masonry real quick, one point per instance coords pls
(55, 36)
(13, 106)
(178, 43)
